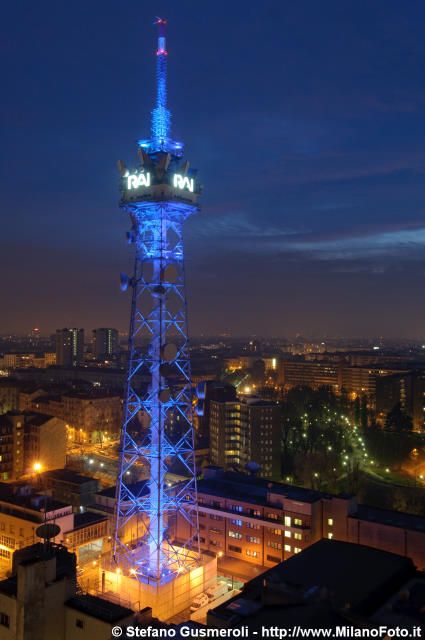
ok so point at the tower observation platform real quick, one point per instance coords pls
(157, 431)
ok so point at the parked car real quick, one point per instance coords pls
(218, 590)
(200, 601)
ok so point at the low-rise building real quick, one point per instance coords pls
(12, 361)
(70, 487)
(263, 523)
(22, 511)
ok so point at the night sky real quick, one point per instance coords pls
(305, 119)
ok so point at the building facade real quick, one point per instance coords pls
(265, 523)
(362, 381)
(106, 345)
(246, 430)
(406, 390)
(22, 511)
(90, 416)
(29, 443)
(310, 374)
(69, 347)
(9, 394)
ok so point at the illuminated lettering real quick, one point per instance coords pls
(135, 181)
(183, 182)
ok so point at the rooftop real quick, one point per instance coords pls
(137, 488)
(341, 567)
(29, 418)
(326, 581)
(86, 519)
(50, 397)
(390, 518)
(99, 608)
(19, 505)
(92, 394)
(251, 401)
(252, 489)
(66, 475)
(65, 563)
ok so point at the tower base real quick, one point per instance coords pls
(166, 600)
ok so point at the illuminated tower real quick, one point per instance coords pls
(157, 433)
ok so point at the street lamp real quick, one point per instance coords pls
(36, 468)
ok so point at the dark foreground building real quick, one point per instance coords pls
(331, 584)
(41, 600)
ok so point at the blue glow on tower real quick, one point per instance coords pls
(161, 117)
(157, 431)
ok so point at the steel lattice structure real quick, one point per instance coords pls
(157, 431)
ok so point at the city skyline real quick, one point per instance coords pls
(312, 221)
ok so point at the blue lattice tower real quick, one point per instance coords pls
(157, 432)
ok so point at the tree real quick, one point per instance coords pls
(364, 413)
(398, 420)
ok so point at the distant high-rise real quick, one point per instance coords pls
(105, 344)
(69, 347)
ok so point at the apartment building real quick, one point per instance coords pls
(246, 430)
(30, 442)
(264, 523)
(311, 374)
(91, 416)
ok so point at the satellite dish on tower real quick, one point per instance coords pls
(47, 531)
(170, 273)
(169, 352)
(253, 467)
(124, 281)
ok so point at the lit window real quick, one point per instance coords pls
(234, 534)
(274, 545)
(330, 521)
(297, 549)
(298, 522)
(287, 521)
(238, 523)
(330, 536)
(287, 534)
(298, 536)
(287, 548)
